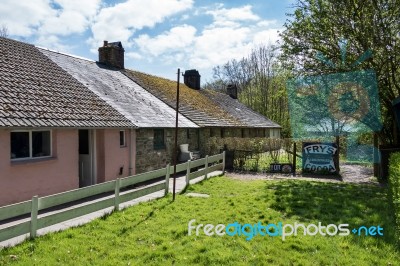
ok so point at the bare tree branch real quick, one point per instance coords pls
(4, 31)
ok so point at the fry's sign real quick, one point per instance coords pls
(319, 157)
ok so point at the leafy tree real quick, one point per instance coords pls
(316, 28)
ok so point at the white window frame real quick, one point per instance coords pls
(30, 145)
(119, 138)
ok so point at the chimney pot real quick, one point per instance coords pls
(105, 43)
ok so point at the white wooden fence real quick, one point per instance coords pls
(32, 207)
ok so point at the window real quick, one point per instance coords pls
(30, 144)
(122, 140)
(215, 132)
(222, 133)
(260, 133)
(158, 139)
(188, 133)
(267, 133)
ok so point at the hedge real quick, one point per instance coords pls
(394, 187)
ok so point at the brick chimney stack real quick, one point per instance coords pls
(112, 54)
(231, 89)
(192, 79)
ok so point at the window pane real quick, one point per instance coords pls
(40, 143)
(159, 139)
(122, 138)
(19, 145)
(83, 141)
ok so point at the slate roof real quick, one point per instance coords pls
(207, 108)
(135, 103)
(35, 92)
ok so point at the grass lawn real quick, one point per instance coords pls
(156, 233)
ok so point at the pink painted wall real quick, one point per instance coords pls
(110, 156)
(20, 181)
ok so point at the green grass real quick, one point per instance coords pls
(156, 233)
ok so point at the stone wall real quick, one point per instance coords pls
(148, 159)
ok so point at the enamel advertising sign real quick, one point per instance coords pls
(319, 157)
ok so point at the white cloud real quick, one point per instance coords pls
(119, 22)
(218, 45)
(53, 42)
(231, 35)
(133, 55)
(266, 23)
(74, 16)
(23, 17)
(42, 17)
(175, 39)
(266, 36)
(222, 16)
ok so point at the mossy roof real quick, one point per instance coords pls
(207, 108)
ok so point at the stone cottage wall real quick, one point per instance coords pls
(148, 159)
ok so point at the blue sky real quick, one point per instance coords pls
(158, 35)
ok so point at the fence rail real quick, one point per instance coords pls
(33, 206)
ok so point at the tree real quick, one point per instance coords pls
(4, 31)
(316, 28)
(260, 81)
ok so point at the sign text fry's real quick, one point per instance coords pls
(319, 157)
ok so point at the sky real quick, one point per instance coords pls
(159, 36)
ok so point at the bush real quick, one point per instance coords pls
(257, 145)
(394, 188)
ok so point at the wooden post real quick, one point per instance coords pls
(187, 173)
(34, 214)
(176, 135)
(294, 159)
(223, 162)
(116, 194)
(206, 167)
(167, 174)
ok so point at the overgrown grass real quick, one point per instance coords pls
(156, 233)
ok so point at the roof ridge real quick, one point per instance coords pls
(66, 54)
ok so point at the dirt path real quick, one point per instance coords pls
(348, 173)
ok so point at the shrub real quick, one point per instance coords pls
(394, 188)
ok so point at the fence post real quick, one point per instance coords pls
(294, 158)
(223, 162)
(206, 168)
(116, 196)
(167, 174)
(187, 173)
(34, 214)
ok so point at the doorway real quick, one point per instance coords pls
(86, 158)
